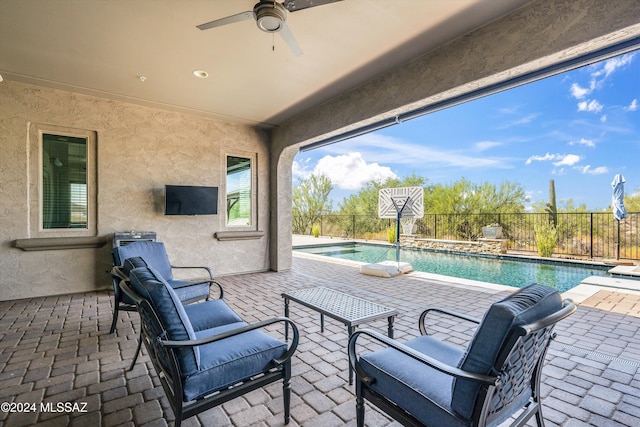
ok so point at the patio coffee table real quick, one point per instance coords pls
(350, 310)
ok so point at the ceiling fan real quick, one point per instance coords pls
(271, 17)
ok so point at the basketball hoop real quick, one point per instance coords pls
(407, 224)
(405, 205)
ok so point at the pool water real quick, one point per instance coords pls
(482, 268)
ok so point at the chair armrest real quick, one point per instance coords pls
(195, 267)
(210, 281)
(423, 316)
(116, 272)
(568, 307)
(251, 327)
(124, 285)
(423, 358)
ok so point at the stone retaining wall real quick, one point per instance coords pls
(482, 246)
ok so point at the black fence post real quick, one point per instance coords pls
(591, 235)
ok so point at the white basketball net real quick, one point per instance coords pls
(407, 224)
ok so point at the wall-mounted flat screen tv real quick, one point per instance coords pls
(190, 200)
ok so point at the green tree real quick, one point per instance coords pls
(632, 201)
(310, 200)
(471, 206)
(466, 197)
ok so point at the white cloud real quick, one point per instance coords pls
(591, 106)
(578, 91)
(524, 120)
(486, 145)
(350, 171)
(633, 106)
(613, 64)
(560, 171)
(395, 151)
(536, 158)
(599, 72)
(567, 160)
(583, 141)
(597, 171)
(558, 159)
(603, 118)
(301, 169)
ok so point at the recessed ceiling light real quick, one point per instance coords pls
(201, 74)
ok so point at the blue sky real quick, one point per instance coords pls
(578, 128)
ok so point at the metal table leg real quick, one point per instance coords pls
(286, 314)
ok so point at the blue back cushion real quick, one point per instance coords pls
(150, 285)
(154, 253)
(524, 306)
(132, 263)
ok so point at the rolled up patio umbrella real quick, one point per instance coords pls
(617, 200)
(617, 204)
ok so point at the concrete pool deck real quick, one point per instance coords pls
(58, 349)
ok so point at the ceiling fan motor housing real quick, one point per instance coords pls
(270, 16)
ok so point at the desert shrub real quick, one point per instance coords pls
(391, 234)
(546, 238)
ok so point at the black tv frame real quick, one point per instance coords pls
(190, 200)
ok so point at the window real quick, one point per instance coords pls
(239, 191)
(62, 182)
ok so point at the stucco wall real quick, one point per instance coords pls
(139, 150)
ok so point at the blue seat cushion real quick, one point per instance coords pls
(417, 388)
(149, 284)
(154, 253)
(524, 306)
(231, 360)
(210, 314)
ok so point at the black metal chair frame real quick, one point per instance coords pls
(118, 276)
(162, 353)
(525, 348)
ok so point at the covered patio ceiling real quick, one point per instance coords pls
(146, 51)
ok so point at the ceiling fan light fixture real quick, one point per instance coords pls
(270, 16)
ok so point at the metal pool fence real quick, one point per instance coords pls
(589, 234)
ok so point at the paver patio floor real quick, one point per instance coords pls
(58, 349)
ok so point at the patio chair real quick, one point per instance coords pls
(203, 364)
(155, 255)
(204, 315)
(427, 382)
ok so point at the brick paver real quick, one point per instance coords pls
(58, 350)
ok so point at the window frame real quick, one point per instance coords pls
(253, 199)
(36, 176)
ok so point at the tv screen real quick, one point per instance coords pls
(190, 200)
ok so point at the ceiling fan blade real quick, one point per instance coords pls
(288, 38)
(295, 5)
(228, 20)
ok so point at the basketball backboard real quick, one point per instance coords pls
(408, 199)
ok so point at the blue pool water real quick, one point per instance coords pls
(490, 269)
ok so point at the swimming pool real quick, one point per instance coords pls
(500, 270)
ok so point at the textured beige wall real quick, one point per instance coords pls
(139, 150)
